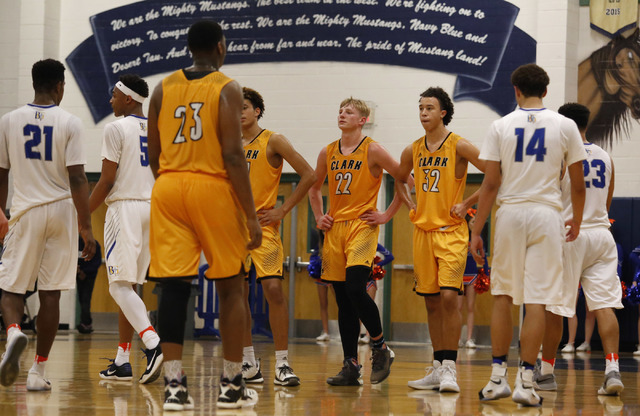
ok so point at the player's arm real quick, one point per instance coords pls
(4, 191)
(576, 176)
(470, 153)
(230, 136)
(323, 221)
(404, 181)
(380, 158)
(80, 195)
(153, 134)
(612, 183)
(488, 192)
(283, 147)
(104, 185)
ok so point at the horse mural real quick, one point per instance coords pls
(609, 85)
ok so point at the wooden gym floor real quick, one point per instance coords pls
(77, 389)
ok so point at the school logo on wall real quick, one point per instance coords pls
(473, 39)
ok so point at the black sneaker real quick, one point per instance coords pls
(117, 372)
(381, 360)
(84, 328)
(348, 376)
(251, 373)
(176, 395)
(234, 394)
(154, 365)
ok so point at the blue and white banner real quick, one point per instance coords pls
(473, 39)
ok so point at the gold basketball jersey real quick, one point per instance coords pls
(437, 188)
(264, 177)
(352, 188)
(188, 124)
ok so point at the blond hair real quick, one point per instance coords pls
(359, 105)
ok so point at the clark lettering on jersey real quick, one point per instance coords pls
(433, 161)
(346, 164)
(252, 154)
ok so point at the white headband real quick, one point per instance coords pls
(128, 91)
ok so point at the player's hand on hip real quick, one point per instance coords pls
(325, 223)
(477, 249)
(270, 216)
(459, 210)
(255, 233)
(89, 244)
(373, 217)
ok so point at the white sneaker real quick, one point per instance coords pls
(10, 364)
(568, 348)
(285, 376)
(470, 344)
(524, 393)
(36, 382)
(251, 372)
(637, 352)
(612, 384)
(498, 385)
(431, 381)
(584, 347)
(448, 381)
(323, 337)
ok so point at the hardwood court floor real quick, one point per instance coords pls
(76, 360)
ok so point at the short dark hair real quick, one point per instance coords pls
(531, 80)
(136, 83)
(443, 98)
(576, 112)
(255, 98)
(46, 74)
(204, 35)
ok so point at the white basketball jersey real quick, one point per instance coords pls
(38, 143)
(597, 178)
(532, 145)
(125, 143)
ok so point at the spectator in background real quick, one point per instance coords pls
(85, 280)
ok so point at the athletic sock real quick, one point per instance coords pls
(150, 338)
(378, 343)
(173, 370)
(249, 355)
(547, 366)
(612, 364)
(124, 350)
(38, 364)
(231, 369)
(499, 359)
(282, 358)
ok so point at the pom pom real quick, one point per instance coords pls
(633, 295)
(483, 282)
(378, 272)
(315, 266)
(624, 289)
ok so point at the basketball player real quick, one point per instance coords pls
(265, 152)
(590, 261)
(354, 164)
(201, 201)
(525, 152)
(42, 144)
(125, 183)
(439, 161)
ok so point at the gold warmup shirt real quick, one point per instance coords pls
(187, 124)
(437, 188)
(352, 189)
(264, 177)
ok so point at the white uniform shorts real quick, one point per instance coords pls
(527, 259)
(126, 240)
(41, 245)
(591, 261)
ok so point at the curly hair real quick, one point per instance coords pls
(255, 99)
(531, 80)
(136, 83)
(443, 98)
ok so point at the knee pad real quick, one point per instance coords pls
(172, 310)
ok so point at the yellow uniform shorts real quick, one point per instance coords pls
(439, 258)
(193, 213)
(346, 244)
(269, 257)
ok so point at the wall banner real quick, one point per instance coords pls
(473, 39)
